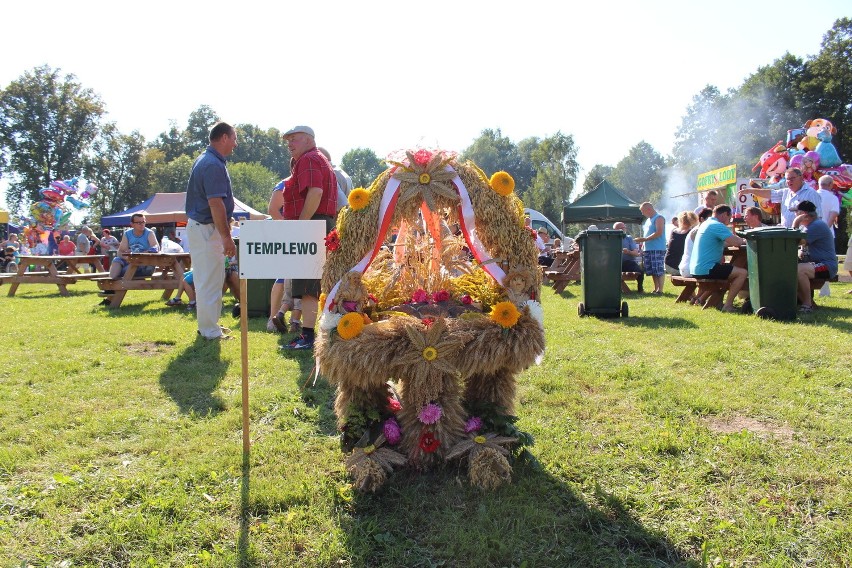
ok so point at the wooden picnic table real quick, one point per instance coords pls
(50, 274)
(168, 271)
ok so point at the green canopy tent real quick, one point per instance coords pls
(604, 204)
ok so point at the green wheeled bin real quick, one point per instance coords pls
(257, 295)
(600, 273)
(772, 271)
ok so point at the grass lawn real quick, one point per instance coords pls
(674, 437)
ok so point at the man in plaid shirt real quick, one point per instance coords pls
(310, 193)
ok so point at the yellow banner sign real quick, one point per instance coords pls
(717, 178)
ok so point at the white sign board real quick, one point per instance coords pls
(745, 200)
(282, 249)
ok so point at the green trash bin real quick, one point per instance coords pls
(600, 273)
(257, 294)
(772, 271)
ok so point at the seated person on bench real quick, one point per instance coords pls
(821, 260)
(140, 239)
(630, 254)
(707, 254)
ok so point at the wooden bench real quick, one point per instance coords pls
(697, 286)
(84, 276)
(627, 277)
(565, 268)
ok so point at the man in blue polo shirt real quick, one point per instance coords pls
(706, 262)
(209, 205)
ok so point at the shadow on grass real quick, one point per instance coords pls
(439, 518)
(315, 390)
(193, 376)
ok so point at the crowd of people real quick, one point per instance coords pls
(696, 245)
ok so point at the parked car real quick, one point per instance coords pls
(538, 220)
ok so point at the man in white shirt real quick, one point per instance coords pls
(829, 210)
(789, 193)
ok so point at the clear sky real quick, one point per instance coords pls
(388, 75)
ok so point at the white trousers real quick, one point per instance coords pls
(208, 274)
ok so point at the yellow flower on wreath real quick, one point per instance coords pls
(505, 313)
(358, 198)
(351, 325)
(502, 183)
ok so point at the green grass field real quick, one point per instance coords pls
(674, 437)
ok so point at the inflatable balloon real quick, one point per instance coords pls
(76, 202)
(773, 162)
(810, 164)
(90, 191)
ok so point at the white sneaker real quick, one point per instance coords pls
(271, 326)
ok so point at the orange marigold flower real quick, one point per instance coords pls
(350, 325)
(358, 198)
(505, 313)
(502, 183)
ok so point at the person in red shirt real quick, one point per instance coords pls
(66, 246)
(310, 193)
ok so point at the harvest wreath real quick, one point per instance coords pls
(423, 334)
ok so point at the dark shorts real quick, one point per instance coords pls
(312, 287)
(719, 272)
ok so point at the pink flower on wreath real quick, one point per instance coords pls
(420, 296)
(394, 405)
(392, 431)
(441, 296)
(466, 299)
(532, 233)
(422, 157)
(473, 424)
(430, 414)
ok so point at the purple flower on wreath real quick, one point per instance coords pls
(392, 431)
(430, 414)
(420, 296)
(473, 424)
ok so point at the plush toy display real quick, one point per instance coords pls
(423, 334)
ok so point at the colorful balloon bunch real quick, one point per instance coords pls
(810, 149)
(59, 201)
(53, 211)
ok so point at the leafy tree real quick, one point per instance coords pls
(595, 176)
(171, 143)
(828, 87)
(697, 138)
(252, 183)
(556, 167)
(121, 166)
(362, 165)
(171, 176)
(638, 175)
(47, 123)
(197, 133)
(263, 147)
(493, 152)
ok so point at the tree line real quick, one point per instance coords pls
(51, 128)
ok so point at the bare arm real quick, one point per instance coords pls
(276, 202)
(659, 229)
(762, 193)
(124, 246)
(312, 201)
(220, 220)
